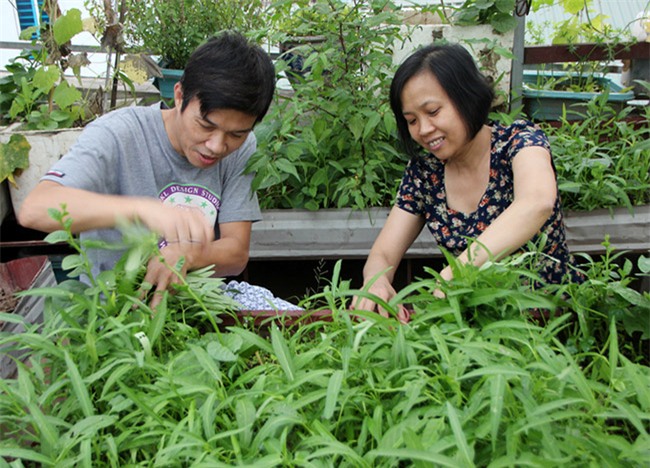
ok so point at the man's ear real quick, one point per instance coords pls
(178, 95)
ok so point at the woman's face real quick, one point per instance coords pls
(432, 119)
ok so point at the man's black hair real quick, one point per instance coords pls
(229, 72)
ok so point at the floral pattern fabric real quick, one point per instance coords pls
(422, 192)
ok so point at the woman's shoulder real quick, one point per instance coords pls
(520, 129)
(514, 127)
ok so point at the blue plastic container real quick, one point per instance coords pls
(166, 84)
(546, 104)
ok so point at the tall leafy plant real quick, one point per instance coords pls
(37, 91)
(330, 143)
(172, 29)
(497, 13)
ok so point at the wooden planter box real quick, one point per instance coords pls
(347, 233)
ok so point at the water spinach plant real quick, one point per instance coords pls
(603, 158)
(472, 380)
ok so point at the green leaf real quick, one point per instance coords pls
(88, 427)
(573, 7)
(286, 166)
(71, 262)
(246, 415)
(252, 339)
(220, 353)
(505, 6)
(333, 390)
(503, 22)
(282, 353)
(78, 386)
(27, 33)
(66, 95)
(232, 342)
(371, 124)
(17, 107)
(459, 435)
(56, 237)
(46, 78)
(497, 395)
(356, 125)
(43, 425)
(67, 26)
(60, 116)
(26, 454)
(410, 455)
(157, 323)
(14, 155)
(206, 361)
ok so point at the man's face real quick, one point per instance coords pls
(207, 139)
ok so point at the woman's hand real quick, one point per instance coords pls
(385, 291)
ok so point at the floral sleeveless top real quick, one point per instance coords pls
(422, 192)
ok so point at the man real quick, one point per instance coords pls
(178, 171)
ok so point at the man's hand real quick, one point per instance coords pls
(162, 273)
(177, 224)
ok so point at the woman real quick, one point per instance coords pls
(491, 183)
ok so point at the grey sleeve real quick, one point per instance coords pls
(89, 162)
(238, 201)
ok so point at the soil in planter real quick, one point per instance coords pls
(8, 301)
(295, 279)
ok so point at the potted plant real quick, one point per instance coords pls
(172, 29)
(37, 93)
(42, 107)
(301, 28)
(552, 91)
(552, 94)
(38, 97)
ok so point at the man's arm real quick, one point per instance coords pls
(89, 210)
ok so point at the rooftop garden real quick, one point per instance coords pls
(498, 373)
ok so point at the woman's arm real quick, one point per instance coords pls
(397, 235)
(535, 192)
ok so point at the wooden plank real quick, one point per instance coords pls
(346, 233)
(585, 52)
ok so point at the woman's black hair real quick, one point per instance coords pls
(229, 72)
(457, 73)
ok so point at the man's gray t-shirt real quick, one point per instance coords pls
(128, 152)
